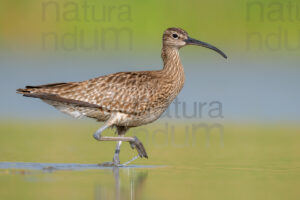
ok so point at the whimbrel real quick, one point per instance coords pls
(126, 99)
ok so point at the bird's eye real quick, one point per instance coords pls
(175, 35)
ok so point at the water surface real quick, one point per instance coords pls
(42, 161)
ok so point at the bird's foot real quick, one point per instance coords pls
(110, 164)
(114, 163)
(137, 144)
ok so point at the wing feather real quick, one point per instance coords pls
(126, 92)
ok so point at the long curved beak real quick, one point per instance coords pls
(192, 41)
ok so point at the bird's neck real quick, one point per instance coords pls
(172, 62)
(172, 72)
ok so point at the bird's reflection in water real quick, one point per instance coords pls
(128, 184)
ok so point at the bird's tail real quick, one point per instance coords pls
(50, 92)
(36, 89)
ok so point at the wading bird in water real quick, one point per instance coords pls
(126, 99)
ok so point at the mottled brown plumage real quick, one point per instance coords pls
(124, 99)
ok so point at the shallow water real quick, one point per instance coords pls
(34, 172)
(89, 181)
(64, 166)
(252, 162)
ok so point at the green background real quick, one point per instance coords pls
(257, 157)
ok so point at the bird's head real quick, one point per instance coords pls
(177, 38)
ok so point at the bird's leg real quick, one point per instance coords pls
(97, 134)
(116, 159)
(134, 143)
(121, 130)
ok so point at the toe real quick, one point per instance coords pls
(139, 147)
